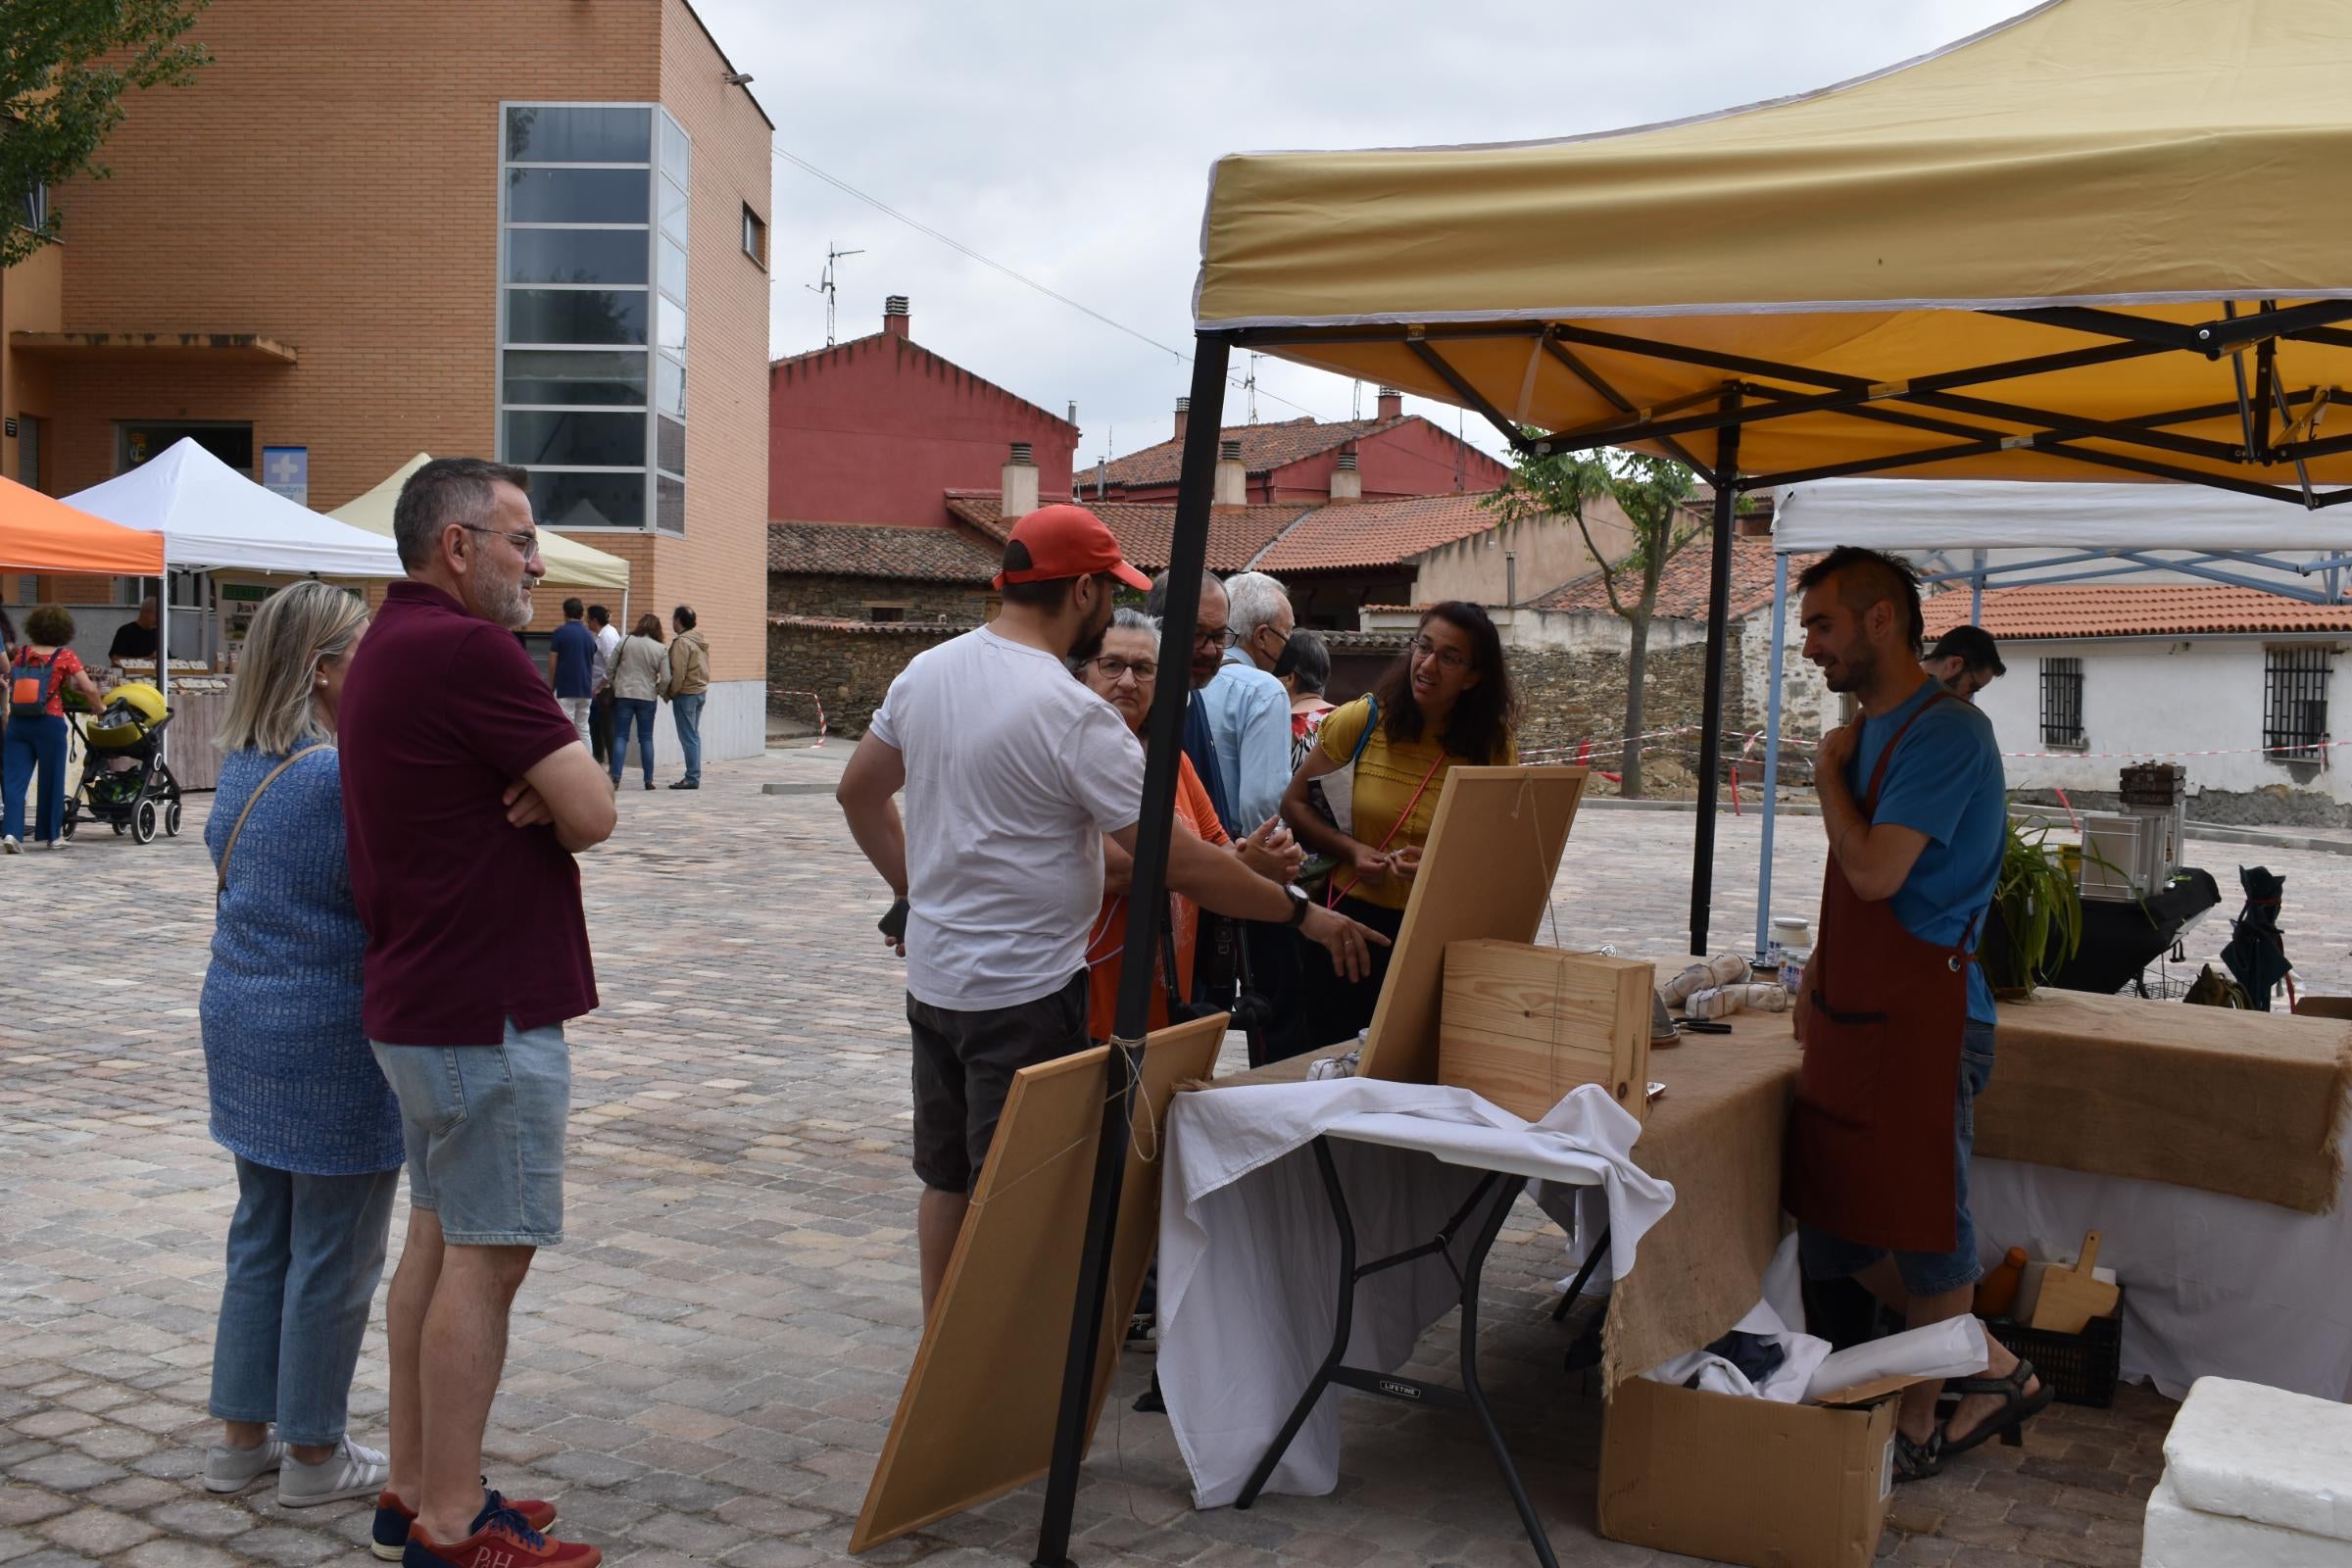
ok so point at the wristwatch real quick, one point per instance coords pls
(1300, 902)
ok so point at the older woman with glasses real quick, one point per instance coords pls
(1125, 673)
(296, 1094)
(1448, 700)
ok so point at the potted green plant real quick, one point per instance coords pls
(2037, 920)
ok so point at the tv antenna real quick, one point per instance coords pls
(1250, 385)
(825, 286)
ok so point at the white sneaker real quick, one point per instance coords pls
(59, 843)
(351, 1471)
(12, 847)
(228, 1469)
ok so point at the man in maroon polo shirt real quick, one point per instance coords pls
(465, 794)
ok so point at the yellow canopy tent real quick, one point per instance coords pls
(2101, 240)
(568, 561)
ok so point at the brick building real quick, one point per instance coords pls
(1391, 455)
(456, 229)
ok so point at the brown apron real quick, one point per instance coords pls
(1872, 1142)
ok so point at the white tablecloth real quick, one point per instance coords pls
(2214, 1286)
(1249, 1257)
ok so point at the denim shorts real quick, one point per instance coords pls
(484, 1130)
(1830, 1258)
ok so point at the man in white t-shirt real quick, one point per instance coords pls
(1014, 773)
(599, 706)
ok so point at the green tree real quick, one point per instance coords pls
(1652, 493)
(65, 65)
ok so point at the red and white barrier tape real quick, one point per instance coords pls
(819, 705)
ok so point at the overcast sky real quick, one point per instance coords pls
(1071, 143)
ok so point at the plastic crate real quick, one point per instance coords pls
(2083, 1367)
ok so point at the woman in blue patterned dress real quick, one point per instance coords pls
(296, 1095)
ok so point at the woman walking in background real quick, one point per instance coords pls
(296, 1095)
(1448, 700)
(639, 670)
(40, 671)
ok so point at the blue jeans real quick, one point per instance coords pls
(628, 710)
(33, 743)
(1830, 1258)
(484, 1131)
(687, 714)
(305, 1253)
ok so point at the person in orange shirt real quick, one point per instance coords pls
(1125, 673)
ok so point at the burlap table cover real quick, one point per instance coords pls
(2248, 1104)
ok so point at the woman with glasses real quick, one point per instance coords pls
(296, 1094)
(639, 670)
(1125, 673)
(1448, 700)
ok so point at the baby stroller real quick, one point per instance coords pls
(125, 781)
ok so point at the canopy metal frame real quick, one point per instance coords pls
(2276, 426)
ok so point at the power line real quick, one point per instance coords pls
(956, 245)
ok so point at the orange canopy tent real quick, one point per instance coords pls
(38, 533)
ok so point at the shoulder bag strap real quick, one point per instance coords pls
(221, 882)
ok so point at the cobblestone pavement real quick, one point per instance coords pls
(706, 1370)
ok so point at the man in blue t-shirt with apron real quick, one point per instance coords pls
(1895, 1015)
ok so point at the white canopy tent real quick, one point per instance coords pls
(213, 518)
(1993, 531)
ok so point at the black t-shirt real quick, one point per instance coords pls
(132, 641)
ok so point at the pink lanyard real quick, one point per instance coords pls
(1338, 893)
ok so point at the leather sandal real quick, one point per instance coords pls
(2017, 1406)
(1917, 1462)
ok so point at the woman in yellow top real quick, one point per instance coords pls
(1448, 700)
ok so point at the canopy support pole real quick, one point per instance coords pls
(1719, 615)
(1188, 553)
(1976, 593)
(1772, 748)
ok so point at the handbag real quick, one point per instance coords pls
(221, 872)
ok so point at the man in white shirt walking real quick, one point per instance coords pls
(1013, 771)
(599, 706)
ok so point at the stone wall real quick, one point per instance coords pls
(1570, 697)
(849, 669)
(791, 593)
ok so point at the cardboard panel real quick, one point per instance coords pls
(976, 1417)
(1486, 871)
(1524, 1025)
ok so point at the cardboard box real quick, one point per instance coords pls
(1524, 1025)
(1749, 1481)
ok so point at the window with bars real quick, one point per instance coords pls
(2062, 702)
(2294, 706)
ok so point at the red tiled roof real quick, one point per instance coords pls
(1683, 586)
(866, 550)
(1144, 529)
(1264, 447)
(1376, 533)
(2054, 610)
(869, 628)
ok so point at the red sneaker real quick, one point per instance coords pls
(390, 1538)
(499, 1539)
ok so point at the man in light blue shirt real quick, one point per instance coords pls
(1249, 710)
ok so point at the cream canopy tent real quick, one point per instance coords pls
(2097, 241)
(568, 560)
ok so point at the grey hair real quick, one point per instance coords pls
(1252, 599)
(444, 491)
(294, 632)
(1156, 603)
(1124, 619)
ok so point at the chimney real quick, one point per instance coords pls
(1346, 484)
(1392, 403)
(1233, 482)
(896, 320)
(1183, 410)
(1020, 483)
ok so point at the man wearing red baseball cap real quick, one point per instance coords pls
(1014, 773)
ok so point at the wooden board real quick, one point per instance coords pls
(1524, 1025)
(1486, 871)
(976, 1417)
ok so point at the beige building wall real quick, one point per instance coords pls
(1528, 558)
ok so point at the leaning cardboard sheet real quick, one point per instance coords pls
(1248, 1254)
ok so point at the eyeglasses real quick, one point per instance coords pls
(1111, 668)
(1446, 658)
(1222, 637)
(527, 543)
